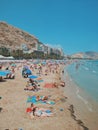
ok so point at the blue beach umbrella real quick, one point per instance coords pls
(32, 76)
(28, 72)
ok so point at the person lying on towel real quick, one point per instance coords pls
(41, 98)
(42, 112)
(38, 112)
(31, 85)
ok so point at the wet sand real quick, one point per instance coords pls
(85, 108)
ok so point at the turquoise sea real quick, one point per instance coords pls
(85, 75)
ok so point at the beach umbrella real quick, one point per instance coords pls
(28, 72)
(32, 76)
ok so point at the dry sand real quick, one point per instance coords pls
(13, 115)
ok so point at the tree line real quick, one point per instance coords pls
(19, 54)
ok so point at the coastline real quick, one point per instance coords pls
(85, 108)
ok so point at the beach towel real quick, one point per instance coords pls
(28, 110)
(48, 111)
(39, 80)
(49, 85)
(32, 76)
(32, 99)
(51, 102)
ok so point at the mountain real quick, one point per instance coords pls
(77, 55)
(87, 55)
(91, 54)
(13, 37)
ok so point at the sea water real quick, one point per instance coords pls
(85, 75)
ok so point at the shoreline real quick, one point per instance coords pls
(85, 108)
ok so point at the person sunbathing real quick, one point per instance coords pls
(41, 98)
(31, 86)
(34, 111)
(33, 83)
(42, 112)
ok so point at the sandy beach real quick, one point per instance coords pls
(14, 104)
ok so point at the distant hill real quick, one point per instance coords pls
(91, 54)
(13, 37)
(88, 54)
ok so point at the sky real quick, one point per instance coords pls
(69, 24)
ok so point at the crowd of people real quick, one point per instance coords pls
(33, 85)
(7, 72)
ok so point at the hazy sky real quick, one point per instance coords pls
(71, 24)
